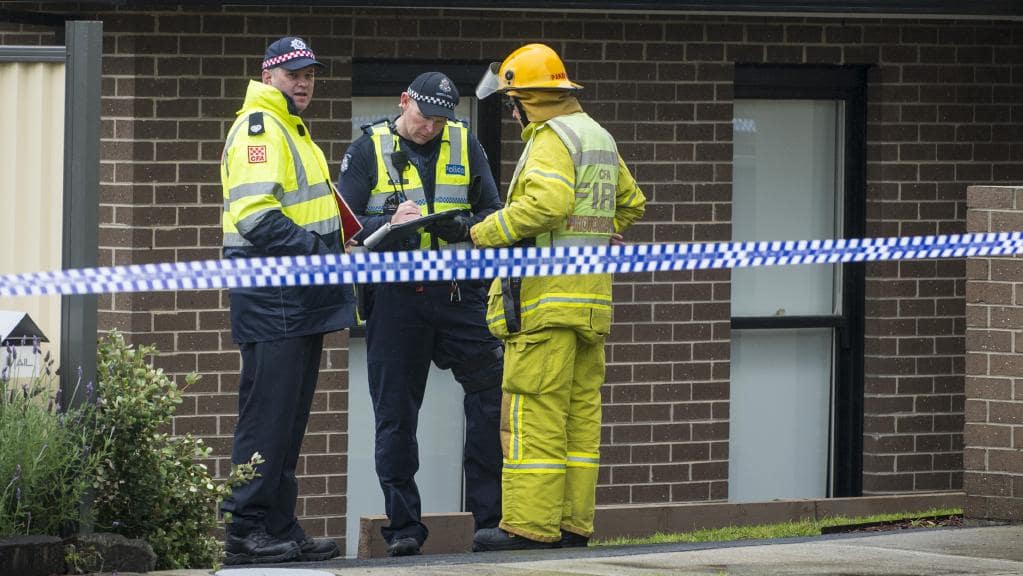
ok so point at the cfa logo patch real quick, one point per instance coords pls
(455, 169)
(257, 154)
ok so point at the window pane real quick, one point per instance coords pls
(786, 186)
(780, 414)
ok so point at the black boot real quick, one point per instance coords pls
(318, 550)
(494, 539)
(572, 540)
(258, 547)
(407, 546)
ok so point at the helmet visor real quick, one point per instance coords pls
(490, 82)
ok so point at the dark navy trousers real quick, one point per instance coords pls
(278, 379)
(409, 327)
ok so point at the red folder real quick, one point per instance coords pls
(350, 225)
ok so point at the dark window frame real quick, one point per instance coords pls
(848, 84)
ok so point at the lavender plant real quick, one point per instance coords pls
(48, 456)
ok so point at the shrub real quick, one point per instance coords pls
(47, 457)
(152, 486)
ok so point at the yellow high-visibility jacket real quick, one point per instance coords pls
(279, 201)
(570, 163)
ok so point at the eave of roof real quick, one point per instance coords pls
(1012, 9)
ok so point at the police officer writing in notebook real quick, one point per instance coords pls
(423, 162)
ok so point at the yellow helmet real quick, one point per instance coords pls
(531, 67)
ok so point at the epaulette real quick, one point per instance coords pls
(368, 127)
(256, 126)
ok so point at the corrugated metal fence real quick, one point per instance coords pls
(32, 181)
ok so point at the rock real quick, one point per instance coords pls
(31, 555)
(105, 552)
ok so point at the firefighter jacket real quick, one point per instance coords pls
(451, 177)
(279, 201)
(570, 187)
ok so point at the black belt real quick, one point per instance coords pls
(511, 292)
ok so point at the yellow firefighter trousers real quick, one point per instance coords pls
(550, 432)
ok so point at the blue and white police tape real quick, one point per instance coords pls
(420, 266)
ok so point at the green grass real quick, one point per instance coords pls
(766, 531)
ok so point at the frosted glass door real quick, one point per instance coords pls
(787, 186)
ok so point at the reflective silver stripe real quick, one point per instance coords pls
(306, 194)
(254, 189)
(521, 163)
(233, 239)
(564, 300)
(516, 401)
(565, 132)
(455, 143)
(628, 201)
(300, 175)
(587, 240)
(458, 246)
(504, 225)
(595, 157)
(450, 194)
(377, 200)
(583, 459)
(323, 227)
(386, 151)
(245, 225)
(582, 157)
(552, 176)
(532, 466)
(227, 145)
(376, 203)
(274, 189)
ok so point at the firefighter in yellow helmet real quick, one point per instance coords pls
(570, 188)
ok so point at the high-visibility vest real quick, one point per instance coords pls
(595, 160)
(451, 176)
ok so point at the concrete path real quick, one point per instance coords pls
(994, 550)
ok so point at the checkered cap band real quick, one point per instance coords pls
(278, 60)
(430, 99)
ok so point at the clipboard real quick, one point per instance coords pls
(389, 230)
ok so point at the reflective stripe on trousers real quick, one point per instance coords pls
(550, 432)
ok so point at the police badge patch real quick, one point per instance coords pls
(344, 163)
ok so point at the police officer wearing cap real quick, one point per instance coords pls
(425, 161)
(278, 201)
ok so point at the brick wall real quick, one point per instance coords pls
(993, 475)
(943, 113)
